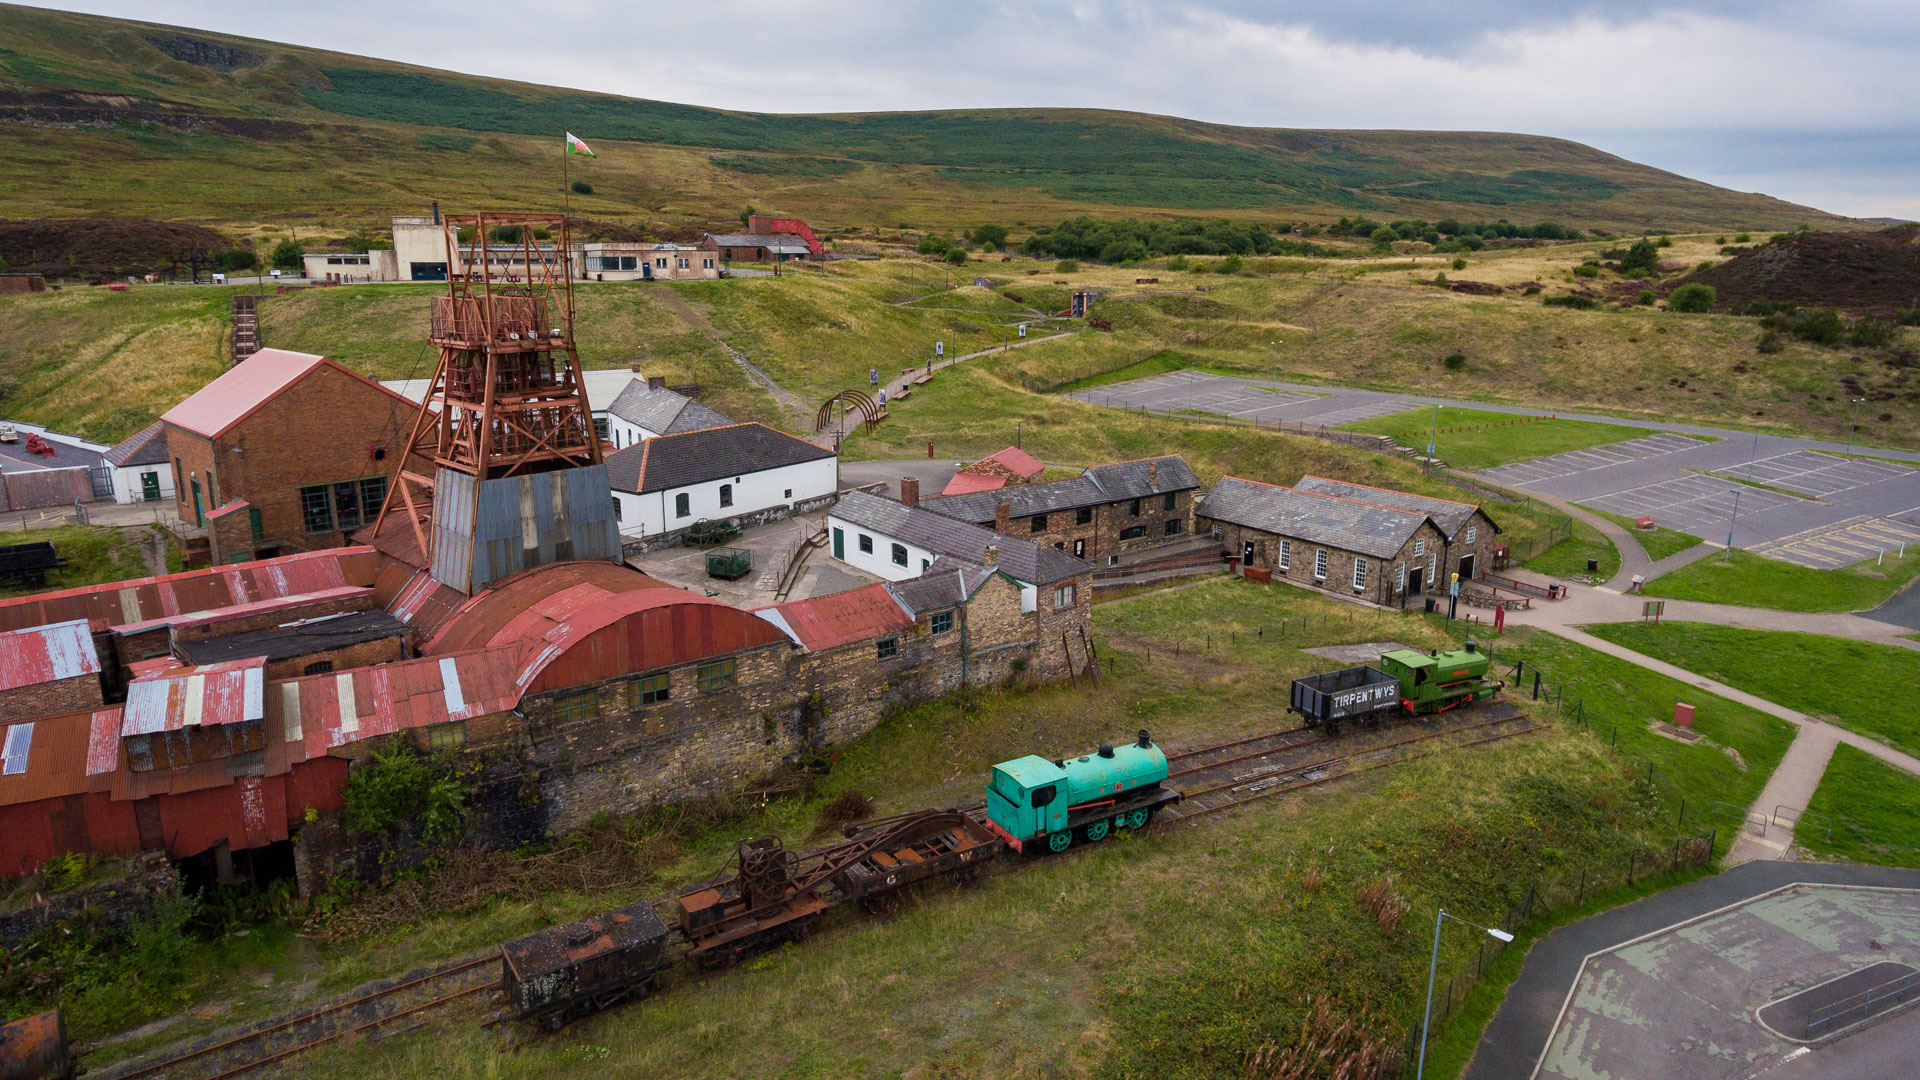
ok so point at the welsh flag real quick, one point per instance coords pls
(575, 146)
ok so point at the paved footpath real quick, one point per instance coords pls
(1513, 1041)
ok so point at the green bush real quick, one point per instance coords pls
(1642, 256)
(1645, 298)
(1178, 262)
(1769, 342)
(1459, 264)
(934, 245)
(1066, 266)
(237, 259)
(398, 785)
(1440, 279)
(1870, 334)
(1571, 300)
(1383, 237)
(287, 255)
(1587, 270)
(1907, 316)
(1665, 241)
(994, 235)
(1741, 238)
(581, 187)
(1820, 326)
(956, 256)
(1229, 265)
(1455, 361)
(1693, 297)
(1704, 264)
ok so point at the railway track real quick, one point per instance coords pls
(367, 1013)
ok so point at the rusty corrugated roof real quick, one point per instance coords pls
(226, 693)
(823, 622)
(44, 654)
(234, 611)
(56, 758)
(137, 600)
(480, 619)
(320, 712)
(967, 483)
(1021, 462)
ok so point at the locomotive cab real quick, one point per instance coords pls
(1025, 797)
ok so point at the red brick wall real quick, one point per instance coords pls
(51, 698)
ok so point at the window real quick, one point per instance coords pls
(19, 741)
(649, 691)
(899, 554)
(684, 264)
(449, 736)
(789, 494)
(1167, 501)
(1039, 523)
(1173, 527)
(1286, 554)
(683, 505)
(609, 262)
(1419, 548)
(1063, 597)
(1400, 578)
(941, 622)
(887, 648)
(1433, 567)
(726, 494)
(866, 543)
(345, 505)
(1320, 563)
(926, 565)
(318, 667)
(583, 705)
(1133, 532)
(616, 509)
(178, 483)
(719, 675)
(706, 264)
(254, 523)
(1359, 573)
(1133, 508)
(213, 488)
(1044, 796)
(1471, 533)
(1083, 516)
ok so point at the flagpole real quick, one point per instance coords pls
(566, 183)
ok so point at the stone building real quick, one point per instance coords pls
(1325, 542)
(1105, 512)
(284, 452)
(1469, 533)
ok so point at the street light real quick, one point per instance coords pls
(1853, 409)
(1434, 966)
(1432, 434)
(1735, 492)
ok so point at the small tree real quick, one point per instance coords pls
(995, 235)
(752, 210)
(1641, 256)
(1693, 297)
(956, 256)
(287, 255)
(1229, 265)
(581, 187)
(934, 245)
(1066, 266)
(1459, 264)
(1384, 237)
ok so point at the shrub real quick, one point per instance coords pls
(1440, 279)
(1719, 239)
(1455, 361)
(995, 235)
(1820, 326)
(287, 255)
(397, 785)
(1229, 265)
(1586, 270)
(1870, 334)
(956, 256)
(934, 245)
(1693, 297)
(1199, 267)
(1459, 264)
(237, 259)
(581, 187)
(1769, 342)
(1383, 237)
(1665, 242)
(63, 872)
(1642, 256)
(1645, 298)
(1066, 266)
(1741, 238)
(1571, 300)
(1472, 241)
(1178, 262)
(1531, 290)
(1907, 316)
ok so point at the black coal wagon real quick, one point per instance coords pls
(560, 975)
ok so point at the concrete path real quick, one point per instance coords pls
(1513, 1041)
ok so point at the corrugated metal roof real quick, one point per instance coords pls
(304, 637)
(231, 398)
(823, 622)
(103, 741)
(968, 483)
(1021, 462)
(1449, 514)
(480, 619)
(56, 759)
(320, 712)
(193, 592)
(148, 447)
(694, 457)
(233, 611)
(225, 693)
(1023, 560)
(44, 654)
(1315, 518)
(779, 243)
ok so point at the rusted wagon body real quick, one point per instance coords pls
(36, 1048)
(776, 895)
(562, 974)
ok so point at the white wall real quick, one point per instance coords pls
(880, 561)
(126, 482)
(653, 513)
(625, 433)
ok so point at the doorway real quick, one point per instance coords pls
(1416, 578)
(1246, 553)
(1080, 548)
(150, 487)
(1466, 567)
(839, 545)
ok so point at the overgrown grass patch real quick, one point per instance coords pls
(1863, 686)
(1474, 439)
(1874, 809)
(1754, 581)
(94, 554)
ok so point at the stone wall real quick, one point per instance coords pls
(1094, 532)
(1381, 575)
(678, 537)
(150, 878)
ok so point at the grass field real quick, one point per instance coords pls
(1658, 542)
(1568, 558)
(1475, 439)
(1754, 581)
(94, 554)
(1874, 809)
(1860, 685)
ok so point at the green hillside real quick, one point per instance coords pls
(108, 116)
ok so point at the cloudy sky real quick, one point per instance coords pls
(1813, 102)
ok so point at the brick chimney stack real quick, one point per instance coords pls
(991, 557)
(1153, 474)
(910, 490)
(656, 382)
(1003, 518)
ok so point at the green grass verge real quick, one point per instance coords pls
(1658, 542)
(1863, 686)
(1874, 808)
(94, 554)
(1568, 558)
(1753, 581)
(1474, 439)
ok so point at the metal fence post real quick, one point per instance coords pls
(1682, 819)
(1536, 684)
(1582, 898)
(1632, 857)
(1676, 855)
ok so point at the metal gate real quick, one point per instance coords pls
(102, 477)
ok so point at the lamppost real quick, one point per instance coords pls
(1432, 434)
(1853, 409)
(1735, 492)
(1434, 966)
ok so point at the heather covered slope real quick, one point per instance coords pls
(102, 115)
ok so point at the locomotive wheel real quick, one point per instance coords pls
(1138, 818)
(882, 904)
(1097, 831)
(1059, 841)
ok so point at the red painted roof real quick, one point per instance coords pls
(244, 388)
(232, 506)
(44, 654)
(479, 621)
(823, 622)
(968, 483)
(1021, 462)
(151, 599)
(226, 693)
(320, 712)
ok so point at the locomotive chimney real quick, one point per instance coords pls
(910, 490)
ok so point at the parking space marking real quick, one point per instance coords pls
(1535, 470)
(1842, 543)
(1695, 504)
(1811, 473)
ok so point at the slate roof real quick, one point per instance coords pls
(300, 638)
(1312, 517)
(149, 447)
(662, 411)
(779, 243)
(1446, 513)
(1096, 486)
(942, 586)
(1023, 560)
(694, 457)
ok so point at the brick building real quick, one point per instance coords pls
(1469, 533)
(1326, 542)
(1106, 511)
(284, 452)
(46, 670)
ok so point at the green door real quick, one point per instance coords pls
(199, 511)
(150, 486)
(839, 545)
